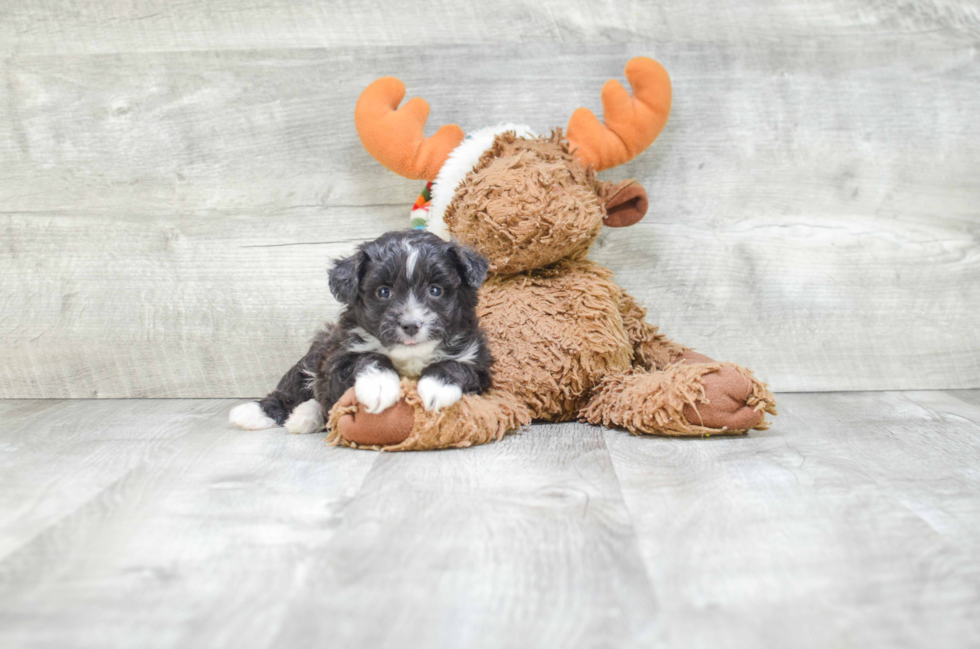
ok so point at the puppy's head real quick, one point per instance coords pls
(410, 287)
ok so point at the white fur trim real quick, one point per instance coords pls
(460, 162)
(377, 389)
(250, 416)
(305, 418)
(436, 395)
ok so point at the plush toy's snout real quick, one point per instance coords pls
(626, 206)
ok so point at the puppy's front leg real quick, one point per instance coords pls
(376, 383)
(443, 384)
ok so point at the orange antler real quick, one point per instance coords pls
(631, 123)
(395, 136)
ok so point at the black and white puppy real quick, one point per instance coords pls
(409, 310)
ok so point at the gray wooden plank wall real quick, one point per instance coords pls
(175, 177)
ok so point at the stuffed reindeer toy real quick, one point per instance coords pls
(569, 343)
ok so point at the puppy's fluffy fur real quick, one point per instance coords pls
(410, 310)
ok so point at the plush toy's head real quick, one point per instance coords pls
(523, 201)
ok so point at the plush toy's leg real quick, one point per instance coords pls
(408, 426)
(674, 390)
(685, 398)
(651, 349)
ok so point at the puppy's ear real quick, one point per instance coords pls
(345, 277)
(472, 265)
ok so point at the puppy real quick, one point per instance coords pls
(409, 310)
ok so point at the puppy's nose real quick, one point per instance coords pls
(410, 328)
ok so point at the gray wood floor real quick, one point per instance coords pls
(852, 522)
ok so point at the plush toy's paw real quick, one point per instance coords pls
(377, 389)
(690, 396)
(358, 426)
(307, 417)
(436, 395)
(733, 400)
(726, 391)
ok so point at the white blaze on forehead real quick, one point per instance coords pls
(412, 259)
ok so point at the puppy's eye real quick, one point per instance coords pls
(384, 292)
(435, 291)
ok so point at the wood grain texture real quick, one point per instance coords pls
(222, 538)
(814, 196)
(164, 307)
(523, 543)
(58, 456)
(160, 523)
(851, 523)
(101, 26)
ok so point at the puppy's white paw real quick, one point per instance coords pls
(377, 389)
(305, 418)
(436, 394)
(250, 416)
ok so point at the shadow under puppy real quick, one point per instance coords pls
(410, 310)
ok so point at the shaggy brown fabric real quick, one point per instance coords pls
(651, 349)
(472, 420)
(527, 204)
(554, 332)
(661, 402)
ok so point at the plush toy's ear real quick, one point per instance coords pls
(472, 265)
(345, 277)
(626, 203)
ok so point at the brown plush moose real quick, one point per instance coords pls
(569, 343)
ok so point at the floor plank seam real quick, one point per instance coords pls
(634, 533)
